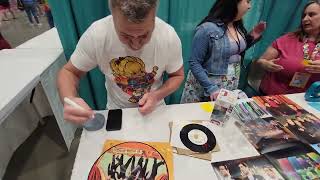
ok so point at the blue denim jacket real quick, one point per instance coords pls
(209, 54)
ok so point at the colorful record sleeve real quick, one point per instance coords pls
(133, 160)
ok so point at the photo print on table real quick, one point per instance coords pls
(279, 105)
(267, 136)
(257, 168)
(304, 166)
(306, 127)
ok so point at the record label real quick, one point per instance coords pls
(197, 138)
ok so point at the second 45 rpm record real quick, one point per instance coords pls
(198, 138)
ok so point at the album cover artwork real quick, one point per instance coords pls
(267, 136)
(316, 147)
(223, 106)
(303, 166)
(306, 127)
(248, 109)
(279, 105)
(257, 168)
(133, 160)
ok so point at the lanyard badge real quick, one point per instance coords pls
(300, 79)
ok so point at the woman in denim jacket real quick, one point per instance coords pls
(217, 48)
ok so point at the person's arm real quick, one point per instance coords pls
(199, 50)
(256, 34)
(149, 101)
(67, 84)
(268, 59)
(82, 60)
(171, 84)
(68, 80)
(313, 67)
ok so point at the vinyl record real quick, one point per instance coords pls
(198, 138)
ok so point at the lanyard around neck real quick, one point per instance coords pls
(236, 39)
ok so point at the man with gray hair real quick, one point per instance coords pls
(133, 48)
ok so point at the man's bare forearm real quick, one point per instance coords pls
(67, 83)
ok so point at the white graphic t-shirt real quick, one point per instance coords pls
(129, 74)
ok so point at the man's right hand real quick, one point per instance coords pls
(76, 115)
(270, 65)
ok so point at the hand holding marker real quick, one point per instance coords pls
(93, 124)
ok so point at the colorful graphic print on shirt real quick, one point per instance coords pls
(131, 76)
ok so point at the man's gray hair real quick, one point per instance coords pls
(135, 10)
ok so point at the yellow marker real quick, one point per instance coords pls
(305, 62)
(207, 107)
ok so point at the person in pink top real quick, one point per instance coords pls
(292, 62)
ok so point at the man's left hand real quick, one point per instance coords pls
(258, 30)
(313, 67)
(148, 103)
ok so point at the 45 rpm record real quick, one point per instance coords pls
(197, 138)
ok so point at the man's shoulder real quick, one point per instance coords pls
(103, 23)
(100, 29)
(165, 32)
(162, 24)
(164, 28)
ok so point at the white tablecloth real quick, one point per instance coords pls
(50, 41)
(47, 40)
(39, 58)
(154, 127)
(20, 72)
(22, 69)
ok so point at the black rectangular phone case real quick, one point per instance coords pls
(114, 121)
